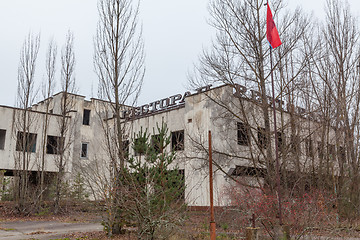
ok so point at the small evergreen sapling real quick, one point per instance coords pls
(155, 186)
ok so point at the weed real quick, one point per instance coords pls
(224, 226)
(43, 212)
(7, 229)
(223, 236)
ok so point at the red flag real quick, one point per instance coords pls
(272, 34)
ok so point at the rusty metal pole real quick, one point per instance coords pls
(212, 218)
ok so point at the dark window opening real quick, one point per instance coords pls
(86, 117)
(84, 150)
(262, 139)
(53, 145)
(243, 134)
(177, 140)
(2, 139)
(247, 171)
(26, 142)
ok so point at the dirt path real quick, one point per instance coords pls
(43, 229)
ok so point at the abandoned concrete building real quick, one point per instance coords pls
(231, 113)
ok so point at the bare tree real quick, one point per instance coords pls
(47, 92)
(336, 84)
(317, 86)
(240, 58)
(67, 104)
(240, 55)
(119, 59)
(119, 64)
(24, 121)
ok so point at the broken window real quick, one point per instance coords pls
(2, 138)
(177, 140)
(243, 134)
(247, 171)
(26, 142)
(53, 145)
(86, 117)
(262, 139)
(84, 150)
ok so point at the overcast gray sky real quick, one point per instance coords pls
(174, 31)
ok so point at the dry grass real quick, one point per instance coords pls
(195, 228)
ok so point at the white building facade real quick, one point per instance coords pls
(189, 118)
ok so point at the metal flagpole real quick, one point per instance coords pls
(276, 142)
(276, 134)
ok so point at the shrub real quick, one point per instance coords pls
(298, 211)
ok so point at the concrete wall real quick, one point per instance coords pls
(216, 110)
(11, 121)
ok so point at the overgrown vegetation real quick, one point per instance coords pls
(156, 186)
(317, 94)
(152, 187)
(316, 68)
(313, 210)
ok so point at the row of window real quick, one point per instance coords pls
(243, 138)
(54, 144)
(30, 139)
(27, 142)
(177, 143)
